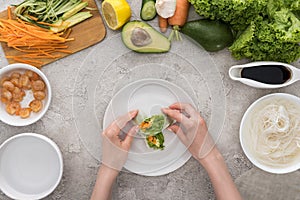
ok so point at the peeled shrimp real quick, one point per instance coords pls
(39, 95)
(36, 105)
(35, 77)
(8, 85)
(16, 82)
(24, 112)
(4, 100)
(25, 82)
(38, 85)
(5, 78)
(6, 94)
(18, 94)
(12, 90)
(13, 108)
(15, 75)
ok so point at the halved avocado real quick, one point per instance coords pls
(141, 37)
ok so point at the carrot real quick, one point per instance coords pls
(68, 33)
(33, 18)
(47, 24)
(9, 12)
(32, 42)
(163, 24)
(179, 18)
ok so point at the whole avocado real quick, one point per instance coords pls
(212, 35)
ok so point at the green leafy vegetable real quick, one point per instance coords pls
(239, 13)
(156, 141)
(267, 29)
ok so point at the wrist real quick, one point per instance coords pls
(108, 173)
(212, 160)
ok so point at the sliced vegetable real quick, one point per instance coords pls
(211, 35)
(34, 42)
(165, 8)
(74, 10)
(148, 10)
(179, 18)
(141, 37)
(44, 13)
(44, 10)
(75, 19)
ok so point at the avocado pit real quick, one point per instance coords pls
(140, 37)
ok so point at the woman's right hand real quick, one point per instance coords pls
(191, 130)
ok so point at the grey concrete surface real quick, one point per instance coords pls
(71, 92)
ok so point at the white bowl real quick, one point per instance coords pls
(244, 137)
(31, 166)
(16, 120)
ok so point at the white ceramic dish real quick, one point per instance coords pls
(149, 96)
(235, 74)
(31, 166)
(16, 120)
(244, 138)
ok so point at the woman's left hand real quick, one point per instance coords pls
(115, 150)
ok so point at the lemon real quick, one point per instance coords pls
(116, 13)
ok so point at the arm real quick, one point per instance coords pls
(219, 175)
(104, 182)
(114, 156)
(193, 132)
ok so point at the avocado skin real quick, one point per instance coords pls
(211, 35)
(159, 44)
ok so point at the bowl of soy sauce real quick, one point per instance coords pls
(265, 74)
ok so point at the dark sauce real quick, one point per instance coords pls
(270, 74)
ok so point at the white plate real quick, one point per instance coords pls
(31, 166)
(99, 78)
(149, 96)
(34, 117)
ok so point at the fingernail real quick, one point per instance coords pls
(133, 112)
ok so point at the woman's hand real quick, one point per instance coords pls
(191, 130)
(115, 150)
(114, 155)
(194, 134)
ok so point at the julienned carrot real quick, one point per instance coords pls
(47, 24)
(32, 42)
(9, 12)
(179, 18)
(34, 62)
(163, 24)
(68, 33)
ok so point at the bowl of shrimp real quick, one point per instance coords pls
(25, 94)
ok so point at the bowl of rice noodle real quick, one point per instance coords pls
(270, 133)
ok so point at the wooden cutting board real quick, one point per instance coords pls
(87, 33)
